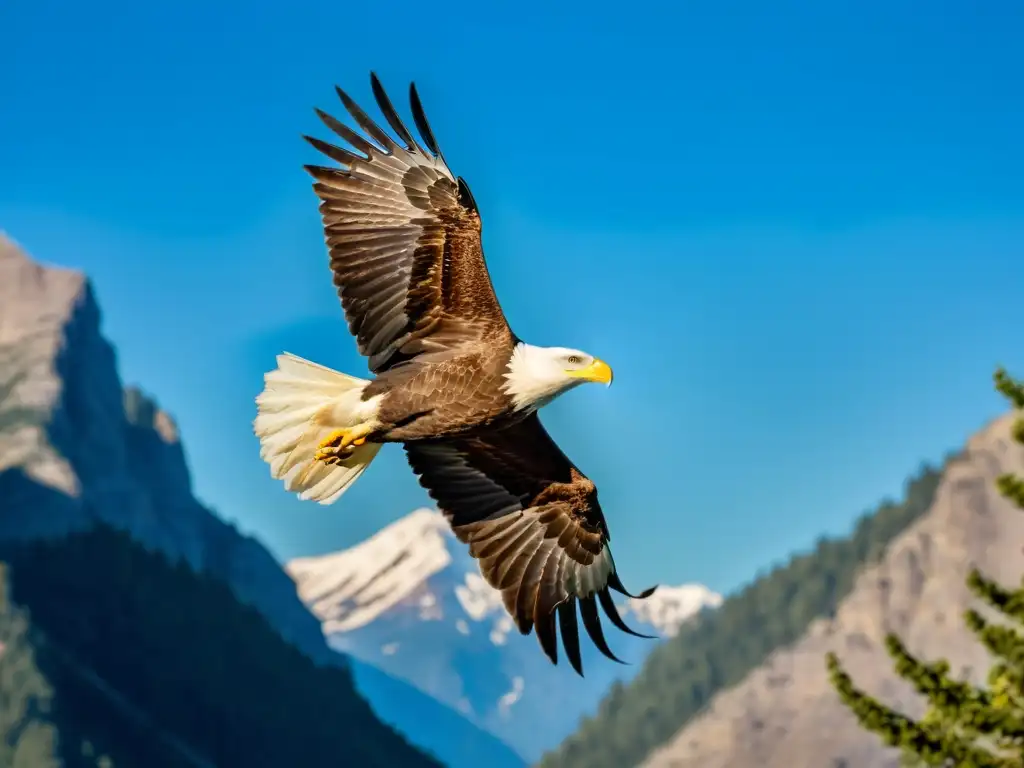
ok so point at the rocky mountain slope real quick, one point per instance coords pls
(411, 602)
(69, 425)
(77, 448)
(786, 714)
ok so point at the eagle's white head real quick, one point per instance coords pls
(537, 375)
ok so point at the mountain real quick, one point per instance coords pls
(68, 424)
(680, 678)
(141, 667)
(749, 687)
(785, 713)
(78, 449)
(411, 602)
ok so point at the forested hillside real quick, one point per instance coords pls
(27, 734)
(680, 677)
(114, 657)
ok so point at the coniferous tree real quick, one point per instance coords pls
(28, 738)
(156, 666)
(965, 725)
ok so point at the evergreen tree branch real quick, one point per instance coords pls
(935, 745)
(1012, 487)
(956, 703)
(1011, 389)
(1008, 602)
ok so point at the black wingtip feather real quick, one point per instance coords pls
(421, 122)
(388, 110)
(358, 142)
(466, 198)
(374, 131)
(592, 623)
(570, 634)
(616, 619)
(616, 583)
(339, 155)
(545, 625)
(320, 173)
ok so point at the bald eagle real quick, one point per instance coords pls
(451, 382)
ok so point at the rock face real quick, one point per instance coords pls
(786, 714)
(411, 602)
(68, 425)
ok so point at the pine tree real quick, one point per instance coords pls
(28, 738)
(964, 725)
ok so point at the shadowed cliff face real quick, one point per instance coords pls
(67, 422)
(786, 713)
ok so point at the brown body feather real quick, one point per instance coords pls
(404, 237)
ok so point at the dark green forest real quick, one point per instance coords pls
(114, 657)
(679, 677)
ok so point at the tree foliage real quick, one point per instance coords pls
(679, 677)
(28, 737)
(155, 666)
(965, 725)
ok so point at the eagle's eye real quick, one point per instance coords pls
(573, 360)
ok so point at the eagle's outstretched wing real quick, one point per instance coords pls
(533, 522)
(404, 239)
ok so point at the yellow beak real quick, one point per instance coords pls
(598, 372)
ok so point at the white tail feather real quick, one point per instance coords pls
(301, 404)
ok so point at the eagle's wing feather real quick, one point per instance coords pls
(533, 522)
(404, 238)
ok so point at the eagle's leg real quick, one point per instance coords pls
(337, 445)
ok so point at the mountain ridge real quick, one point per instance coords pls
(764, 698)
(917, 589)
(680, 677)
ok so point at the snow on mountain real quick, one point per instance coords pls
(411, 602)
(669, 607)
(353, 587)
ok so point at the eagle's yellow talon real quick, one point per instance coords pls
(334, 440)
(334, 449)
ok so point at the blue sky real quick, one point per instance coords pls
(795, 230)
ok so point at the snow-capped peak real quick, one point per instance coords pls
(669, 607)
(351, 588)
